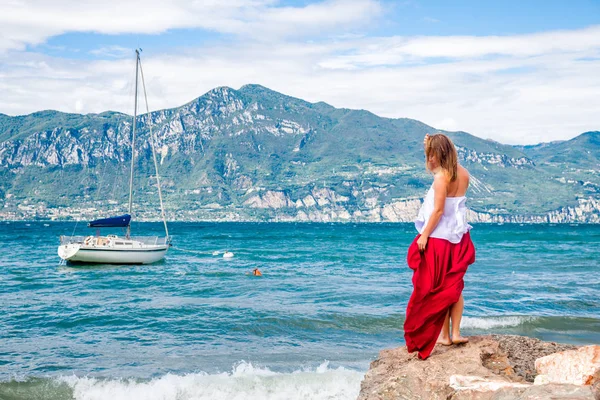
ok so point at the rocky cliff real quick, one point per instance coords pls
(254, 154)
(493, 367)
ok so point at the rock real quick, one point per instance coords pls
(541, 392)
(401, 210)
(545, 392)
(523, 351)
(269, 199)
(577, 367)
(488, 367)
(477, 383)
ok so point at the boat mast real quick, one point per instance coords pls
(152, 144)
(137, 63)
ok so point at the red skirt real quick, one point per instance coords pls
(438, 283)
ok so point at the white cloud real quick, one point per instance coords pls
(78, 106)
(514, 89)
(400, 50)
(315, 17)
(447, 124)
(32, 22)
(518, 45)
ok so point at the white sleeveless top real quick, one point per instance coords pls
(453, 224)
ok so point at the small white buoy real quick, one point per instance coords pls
(46, 224)
(215, 253)
(227, 254)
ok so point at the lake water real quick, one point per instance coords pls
(197, 326)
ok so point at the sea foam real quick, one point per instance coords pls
(245, 381)
(494, 322)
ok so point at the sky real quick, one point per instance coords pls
(518, 72)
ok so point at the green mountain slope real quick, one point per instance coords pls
(254, 153)
(583, 151)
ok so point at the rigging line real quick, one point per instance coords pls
(75, 227)
(152, 144)
(102, 175)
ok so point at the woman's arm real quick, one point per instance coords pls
(440, 187)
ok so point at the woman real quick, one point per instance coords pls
(440, 254)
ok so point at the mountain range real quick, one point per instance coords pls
(255, 154)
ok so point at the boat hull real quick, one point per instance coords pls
(76, 253)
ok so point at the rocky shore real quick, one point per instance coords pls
(495, 367)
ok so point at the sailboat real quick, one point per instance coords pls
(113, 249)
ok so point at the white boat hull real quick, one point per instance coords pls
(132, 253)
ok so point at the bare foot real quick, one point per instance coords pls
(444, 341)
(459, 339)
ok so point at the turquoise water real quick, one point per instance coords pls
(331, 297)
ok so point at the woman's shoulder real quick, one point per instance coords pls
(462, 172)
(440, 182)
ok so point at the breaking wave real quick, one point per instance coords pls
(245, 381)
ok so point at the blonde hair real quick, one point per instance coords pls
(443, 149)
